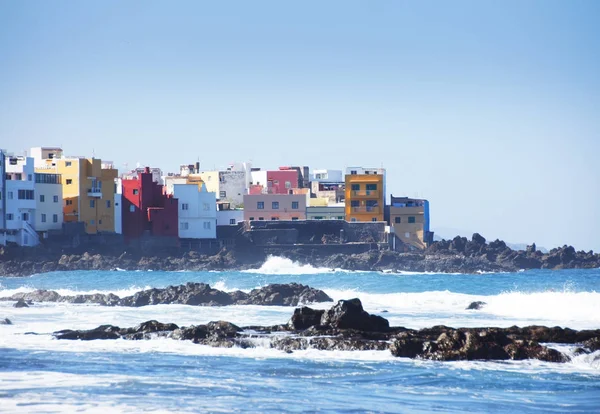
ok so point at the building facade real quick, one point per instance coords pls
(328, 212)
(365, 194)
(228, 216)
(197, 212)
(87, 187)
(274, 182)
(229, 185)
(49, 207)
(274, 207)
(146, 210)
(410, 219)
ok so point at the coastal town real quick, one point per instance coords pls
(46, 195)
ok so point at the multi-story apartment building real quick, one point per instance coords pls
(410, 219)
(87, 185)
(275, 207)
(197, 212)
(274, 181)
(328, 184)
(146, 209)
(49, 202)
(365, 194)
(18, 200)
(229, 185)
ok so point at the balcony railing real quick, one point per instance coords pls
(365, 193)
(94, 192)
(366, 209)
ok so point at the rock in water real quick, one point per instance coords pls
(5, 321)
(21, 304)
(304, 318)
(476, 305)
(349, 314)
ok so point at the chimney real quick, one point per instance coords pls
(198, 167)
(147, 170)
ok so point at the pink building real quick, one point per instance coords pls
(274, 182)
(274, 207)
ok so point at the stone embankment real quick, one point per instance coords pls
(347, 326)
(459, 255)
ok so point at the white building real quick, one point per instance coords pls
(229, 185)
(227, 216)
(328, 176)
(197, 211)
(41, 154)
(118, 211)
(49, 203)
(18, 201)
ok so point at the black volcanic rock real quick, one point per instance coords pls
(5, 321)
(476, 305)
(20, 304)
(349, 314)
(304, 318)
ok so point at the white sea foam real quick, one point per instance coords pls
(72, 292)
(281, 266)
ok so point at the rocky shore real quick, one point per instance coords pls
(347, 326)
(195, 294)
(459, 255)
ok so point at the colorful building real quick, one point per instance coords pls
(274, 181)
(87, 187)
(410, 219)
(275, 207)
(146, 210)
(365, 194)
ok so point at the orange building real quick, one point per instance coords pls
(365, 194)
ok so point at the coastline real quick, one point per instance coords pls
(447, 256)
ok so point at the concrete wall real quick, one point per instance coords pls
(197, 212)
(284, 211)
(232, 187)
(224, 217)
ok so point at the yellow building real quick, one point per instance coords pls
(410, 219)
(365, 194)
(88, 188)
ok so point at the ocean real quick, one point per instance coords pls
(40, 374)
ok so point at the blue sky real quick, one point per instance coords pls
(488, 109)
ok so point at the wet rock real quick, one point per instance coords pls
(304, 318)
(476, 305)
(101, 332)
(20, 304)
(291, 294)
(349, 314)
(592, 344)
(5, 321)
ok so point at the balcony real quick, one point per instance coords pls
(365, 193)
(94, 192)
(366, 209)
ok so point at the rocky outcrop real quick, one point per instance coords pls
(195, 294)
(347, 326)
(5, 321)
(476, 305)
(20, 304)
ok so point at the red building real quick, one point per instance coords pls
(146, 209)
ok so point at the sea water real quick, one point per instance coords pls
(41, 374)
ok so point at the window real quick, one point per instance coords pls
(107, 203)
(69, 181)
(340, 217)
(68, 164)
(92, 203)
(43, 218)
(372, 203)
(355, 187)
(407, 235)
(353, 172)
(55, 198)
(222, 194)
(274, 218)
(132, 208)
(135, 191)
(100, 221)
(10, 216)
(354, 203)
(250, 218)
(374, 219)
(25, 195)
(185, 206)
(260, 205)
(92, 222)
(18, 177)
(69, 202)
(206, 206)
(10, 195)
(25, 216)
(231, 221)
(411, 219)
(275, 205)
(29, 177)
(294, 205)
(207, 225)
(184, 225)
(55, 218)
(288, 184)
(371, 187)
(42, 198)
(353, 219)
(397, 219)
(261, 218)
(294, 218)
(318, 217)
